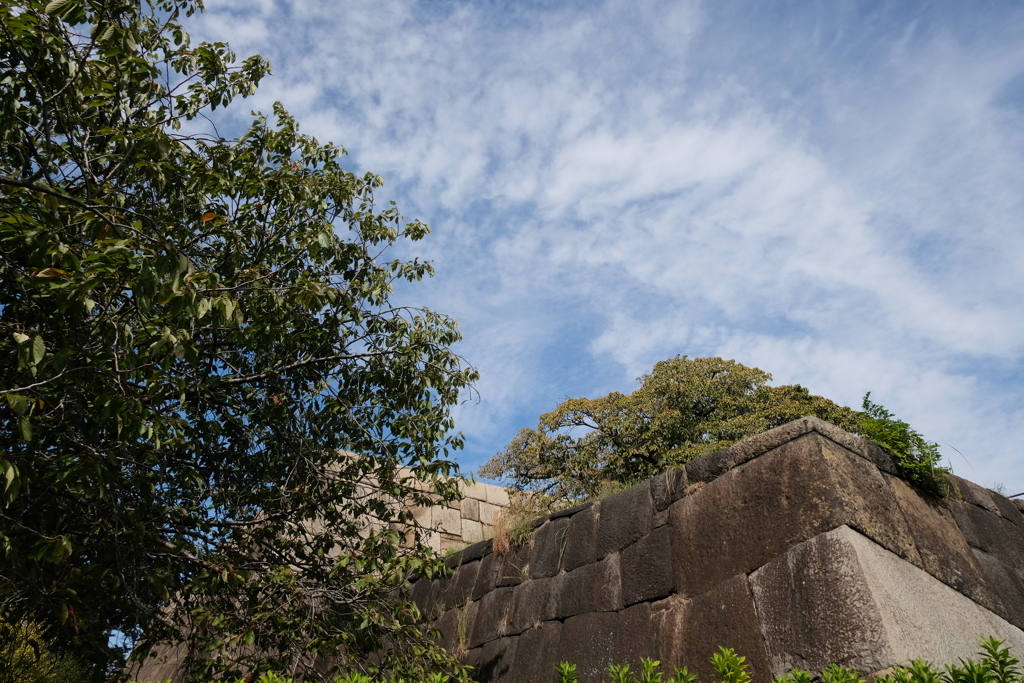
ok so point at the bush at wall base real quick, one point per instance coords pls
(994, 665)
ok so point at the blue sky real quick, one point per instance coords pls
(829, 191)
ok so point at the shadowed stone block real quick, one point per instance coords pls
(754, 512)
(487, 576)
(943, 551)
(531, 605)
(625, 518)
(538, 654)
(549, 543)
(988, 531)
(646, 568)
(841, 598)
(581, 540)
(1006, 584)
(462, 584)
(494, 662)
(492, 617)
(421, 594)
(436, 602)
(690, 631)
(594, 641)
(595, 587)
(1007, 509)
(973, 493)
(516, 565)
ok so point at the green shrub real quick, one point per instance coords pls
(917, 458)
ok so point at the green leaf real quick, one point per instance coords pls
(38, 350)
(53, 7)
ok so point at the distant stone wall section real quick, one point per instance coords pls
(798, 547)
(465, 521)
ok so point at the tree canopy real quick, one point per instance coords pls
(684, 408)
(209, 402)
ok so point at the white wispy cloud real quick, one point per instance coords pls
(829, 193)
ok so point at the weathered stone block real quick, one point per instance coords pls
(489, 512)
(462, 584)
(754, 512)
(492, 617)
(516, 567)
(496, 495)
(495, 661)
(709, 467)
(988, 531)
(537, 654)
(531, 605)
(625, 518)
(471, 509)
(943, 551)
(646, 568)
(421, 594)
(594, 641)
(1007, 509)
(472, 532)
(581, 540)
(689, 632)
(487, 577)
(973, 493)
(549, 543)
(841, 598)
(447, 521)
(595, 587)
(436, 602)
(1006, 584)
(668, 487)
(569, 512)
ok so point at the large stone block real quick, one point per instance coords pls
(487, 577)
(531, 605)
(447, 521)
(1007, 585)
(538, 653)
(943, 551)
(625, 518)
(646, 568)
(842, 598)
(516, 565)
(973, 493)
(1007, 509)
(668, 487)
(493, 616)
(472, 532)
(709, 467)
(494, 663)
(549, 543)
(690, 631)
(489, 513)
(595, 641)
(581, 539)
(754, 512)
(471, 509)
(988, 531)
(595, 587)
(460, 591)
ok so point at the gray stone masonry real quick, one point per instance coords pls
(801, 546)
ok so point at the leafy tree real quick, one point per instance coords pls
(684, 409)
(26, 657)
(210, 407)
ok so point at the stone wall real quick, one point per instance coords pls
(798, 547)
(465, 522)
